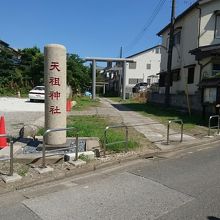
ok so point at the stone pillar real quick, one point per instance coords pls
(55, 92)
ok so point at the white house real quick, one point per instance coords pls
(195, 80)
(145, 67)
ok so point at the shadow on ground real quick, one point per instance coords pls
(212, 218)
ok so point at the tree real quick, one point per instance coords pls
(32, 67)
(29, 72)
(8, 74)
(78, 76)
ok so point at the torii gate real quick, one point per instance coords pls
(99, 59)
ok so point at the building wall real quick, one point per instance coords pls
(181, 57)
(180, 100)
(207, 34)
(191, 39)
(141, 72)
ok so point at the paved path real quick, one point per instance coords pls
(19, 112)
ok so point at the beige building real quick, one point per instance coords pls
(195, 78)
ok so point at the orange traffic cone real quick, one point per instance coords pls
(68, 105)
(3, 140)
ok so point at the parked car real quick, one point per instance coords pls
(37, 93)
(140, 87)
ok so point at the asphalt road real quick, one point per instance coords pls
(19, 112)
(183, 185)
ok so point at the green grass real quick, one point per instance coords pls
(94, 126)
(85, 102)
(23, 170)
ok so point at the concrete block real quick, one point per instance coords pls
(77, 163)
(5, 152)
(44, 170)
(11, 179)
(73, 103)
(92, 144)
(28, 131)
(71, 156)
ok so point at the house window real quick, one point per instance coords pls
(157, 50)
(216, 69)
(134, 80)
(148, 66)
(217, 26)
(176, 38)
(210, 95)
(132, 65)
(191, 72)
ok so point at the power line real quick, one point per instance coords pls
(147, 24)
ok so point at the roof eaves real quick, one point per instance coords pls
(144, 51)
(180, 16)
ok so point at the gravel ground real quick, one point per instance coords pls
(20, 112)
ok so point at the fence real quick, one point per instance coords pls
(105, 144)
(213, 127)
(168, 129)
(55, 130)
(11, 158)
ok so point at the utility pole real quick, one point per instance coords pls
(121, 52)
(120, 73)
(170, 53)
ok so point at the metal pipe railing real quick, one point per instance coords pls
(116, 142)
(168, 129)
(126, 134)
(54, 130)
(11, 145)
(211, 127)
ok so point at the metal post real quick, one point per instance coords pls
(119, 84)
(44, 152)
(168, 132)
(77, 146)
(218, 124)
(104, 142)
(209, 131)
(93, 79)
(124, 80)
(181, 132)
(11, 159)
(104, 89)
(126, 139)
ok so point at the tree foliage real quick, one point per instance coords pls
(78, 76)
(29, 71)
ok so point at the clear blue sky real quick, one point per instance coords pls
(85, 27)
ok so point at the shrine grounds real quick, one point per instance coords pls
(91, 118)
